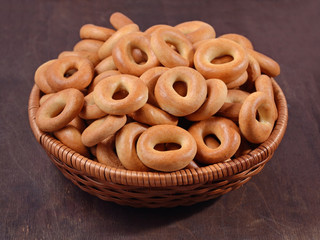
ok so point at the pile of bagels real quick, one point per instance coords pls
(163, 99)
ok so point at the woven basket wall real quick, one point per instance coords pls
(156, 189)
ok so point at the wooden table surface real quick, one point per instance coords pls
(282, 202)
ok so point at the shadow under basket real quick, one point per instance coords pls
(157, 189)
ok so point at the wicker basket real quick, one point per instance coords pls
(156, 189)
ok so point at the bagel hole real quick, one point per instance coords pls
(140, 57)
(181, 88)
(222, 59)
(167, 146)
(258, 116)
(70, 72)
(171, 45)
(120, 94)
(212, 141)
(57, 111)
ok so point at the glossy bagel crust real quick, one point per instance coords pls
(224, 130)
(119, 20)
(172, 102)
(91, 31)
(166, 161)
(218, 47)
(40, 77)
(152, 115)
(102, 128)
(150, 78)
(122, 54)
(90, 110)
(264, 84)
(60, 109)
(89, 45)
(105, 153)
(256, 131)
(104, 91)
(106, 49)
(126, 140)
(167, 56)
(217, 94)
(268, 65)
(231, 108)
(238, 38)
(91, 56)
(196, 30)
(80, 79)
(71, 137)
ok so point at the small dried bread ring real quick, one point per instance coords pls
(218, 47)
(102, 128)
(106, 64)
(167, 56)
(40, 77)
(101, 76)
(122, 54)
(231, 108)
(257, 131)
(268, 65)
(91, 31)
(105, 153)
(119, 20)
(91, 56)
(78, 123)
(213, 143)
(153, 28)
(90, 110)
(106, 49)
(125, 142)
(152, 115)
(224, 130)
(45, 98)
(71, 137)
(166, 161)
(57, 111)
(80, 79)
(88, 45)
(175, 104)
(264, 84)
(240, 39)
(150, 78)
(104, 91)
(239, 81)
(253, 69)
(216, 96)
(196, 30)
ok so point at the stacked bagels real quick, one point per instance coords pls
(163, 99)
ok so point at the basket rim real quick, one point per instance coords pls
(214, 172)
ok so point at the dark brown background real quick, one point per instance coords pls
(282, 202)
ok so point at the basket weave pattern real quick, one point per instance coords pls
(156, 189)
